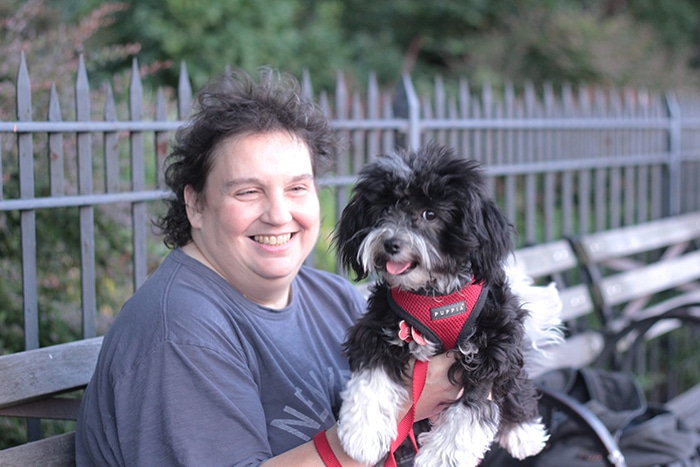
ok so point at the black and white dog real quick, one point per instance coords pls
(423, 224)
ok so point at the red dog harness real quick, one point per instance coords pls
(445, 319)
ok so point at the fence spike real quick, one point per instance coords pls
(530, 98)
(324, 102)
(373, 96)
(54, 114)
(616, 101)
(307, 90)
(509, 98)
(487, 99)
(110, 112)
(358, 137)
(584, 96)
(464, 98)
(341, 97)
(135, 92)
(56, 175)
(406, 104)
(388, 138)
(549, 100)
(161, 139)
(184, 93)
(373, 103)
(439, 97)
(599, 104)
(82, 92)
(567, 98)
(111, 143)
(24, 91)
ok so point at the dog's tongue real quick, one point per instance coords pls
(395, 268)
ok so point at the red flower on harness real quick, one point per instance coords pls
(408, 333)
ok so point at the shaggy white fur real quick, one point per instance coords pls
(460, 436)
(524, 440)
(370, 398)
(543, 328)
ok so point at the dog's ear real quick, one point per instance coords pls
(349, 233)
(495, 235)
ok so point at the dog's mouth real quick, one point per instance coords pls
(397, 268)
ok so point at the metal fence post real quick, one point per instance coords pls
(675, 133)
(407, 105)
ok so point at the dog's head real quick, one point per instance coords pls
(423, 220)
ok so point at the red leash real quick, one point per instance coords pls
(324, 450)
(405, 427)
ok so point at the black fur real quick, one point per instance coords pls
(467, 239)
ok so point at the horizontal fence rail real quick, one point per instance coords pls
(559, 163)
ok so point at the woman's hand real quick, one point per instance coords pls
(438, 391)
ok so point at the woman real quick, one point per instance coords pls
(231, 352)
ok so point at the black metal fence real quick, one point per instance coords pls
(560, 162)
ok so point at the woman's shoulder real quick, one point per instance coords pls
(326, 288)
(333, 281)
(181, 300)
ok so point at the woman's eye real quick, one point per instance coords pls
(429, 215)
(247, 193)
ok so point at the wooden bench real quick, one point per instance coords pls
(638, 275)
(615, 302)
(557, 262)
(33, 385)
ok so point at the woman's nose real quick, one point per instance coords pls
(277, 211)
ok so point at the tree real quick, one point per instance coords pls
(210, 34)
(644, 42)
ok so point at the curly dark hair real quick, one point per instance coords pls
(235, 104)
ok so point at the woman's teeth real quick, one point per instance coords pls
(272, 239)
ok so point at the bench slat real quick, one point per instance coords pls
(56, 451)
(650, 279)
(633, 239)
(578, 350)
(56, 408)
(50, 370)
(576, 302)
(546, 259)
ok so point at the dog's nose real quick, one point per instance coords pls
(392, 246)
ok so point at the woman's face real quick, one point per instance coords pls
(258, 217)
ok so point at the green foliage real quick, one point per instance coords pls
(676, 22)
(639, 42)
(649, 43)
(210, 35)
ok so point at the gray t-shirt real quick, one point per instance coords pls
(192, 373)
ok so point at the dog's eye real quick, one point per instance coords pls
(429, 215)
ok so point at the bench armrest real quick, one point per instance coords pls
(587, 419)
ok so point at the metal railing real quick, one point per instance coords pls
(559, 163)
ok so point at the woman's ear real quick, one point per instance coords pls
(193, 207)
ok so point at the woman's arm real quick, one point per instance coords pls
(437, 394)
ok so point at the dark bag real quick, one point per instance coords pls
(647, 435)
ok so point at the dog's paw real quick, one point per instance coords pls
(524, 440)
(460, 437)
(372, 403)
